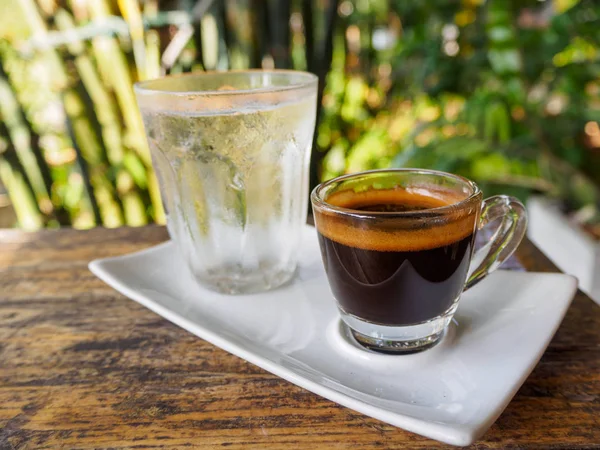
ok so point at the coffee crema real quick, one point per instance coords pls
(396, 271)
(400, 235)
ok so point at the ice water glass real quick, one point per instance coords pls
(231, 151)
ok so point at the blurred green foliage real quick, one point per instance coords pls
(506, 92)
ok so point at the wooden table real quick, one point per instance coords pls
(81, 366)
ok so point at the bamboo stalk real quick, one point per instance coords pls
(83, 167)
(309, 39)
(198, 44)
(321, 69)
(83, 128)
(29, 19)
(17, 184)
(278, 12)
(29, 153)
(327, 52)
(103, 104)
(133, 203)
(34, 140)
(102, 117)
(96, 152)
(130, 10)
(239, 32)
(213, 25)
(259, 38)
(86, 135)
(21, 198)
(115, 73)
(153, 54)
(135, 210)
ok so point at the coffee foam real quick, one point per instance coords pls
(396, 234)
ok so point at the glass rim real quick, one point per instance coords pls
(145, 87)
(318, 200)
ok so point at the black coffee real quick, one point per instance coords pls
(395, 276)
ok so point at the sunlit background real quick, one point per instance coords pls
(506, 92)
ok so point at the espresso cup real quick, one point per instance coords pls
(397, 247)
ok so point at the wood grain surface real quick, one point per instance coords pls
(83, 367)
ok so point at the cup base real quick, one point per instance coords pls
(398, 340)
(392, 347)
(230, 282)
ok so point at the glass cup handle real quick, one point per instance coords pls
(504, 241)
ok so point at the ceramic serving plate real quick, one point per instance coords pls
(451, 393)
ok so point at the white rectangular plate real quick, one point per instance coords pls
(451, 393)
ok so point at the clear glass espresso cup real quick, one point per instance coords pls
(231, 151)
(397, 246)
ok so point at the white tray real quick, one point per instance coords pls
(452, 393)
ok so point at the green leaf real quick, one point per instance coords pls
(490, 166)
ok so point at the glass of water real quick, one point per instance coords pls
(231, 151)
